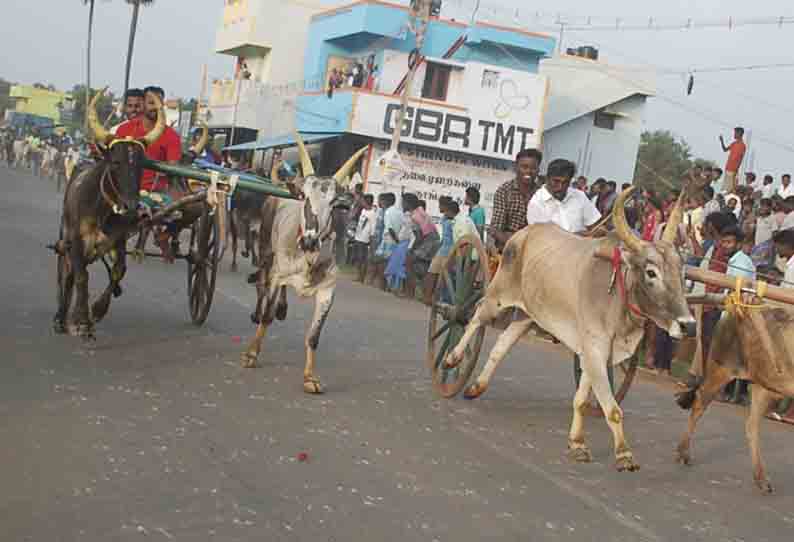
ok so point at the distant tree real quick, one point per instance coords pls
(663, 160)
(702, 162)
(136, 6)
(82, 98)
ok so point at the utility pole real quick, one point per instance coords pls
(420, 13)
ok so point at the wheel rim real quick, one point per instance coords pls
(202, 266)
(462, 284)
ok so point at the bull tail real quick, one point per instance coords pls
(685, 399)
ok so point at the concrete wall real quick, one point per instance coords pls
(599, 152)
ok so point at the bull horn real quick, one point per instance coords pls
(159, 126)
(199, 147)
(676, 216)
(622, 229)
(100, 134)
(306, 161)
(348, 166)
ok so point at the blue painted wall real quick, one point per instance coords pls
(356, 30)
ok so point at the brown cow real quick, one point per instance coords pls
(750, 344)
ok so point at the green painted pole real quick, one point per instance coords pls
(246, 181)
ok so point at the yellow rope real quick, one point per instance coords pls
(734, 302)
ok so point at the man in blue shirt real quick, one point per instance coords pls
(739, 265)
(476, 213)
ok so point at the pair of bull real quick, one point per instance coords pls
(559, 281)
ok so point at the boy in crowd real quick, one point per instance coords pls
(440, 259)
(476, 213)
(365, 230)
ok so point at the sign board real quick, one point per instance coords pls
(504, 114)
(432, 173)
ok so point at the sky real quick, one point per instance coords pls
(176, 38)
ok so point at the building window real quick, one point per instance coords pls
(436, 82)
(490, 79)
(604, 120)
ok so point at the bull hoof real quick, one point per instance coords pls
(474, 391)
(253, 278)
(117, 291)
(281, 312)
(452, 360)
(59, 326)
(764, 487)
(86, 332)
(233, 268)
(244, 253)
(579, 453)
(255, 318)
(626, 462)
(683, 456)
(312, 385)
(248, 360)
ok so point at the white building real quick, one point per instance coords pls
(595, 115)
(475, 105)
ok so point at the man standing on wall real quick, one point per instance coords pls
(735, 152)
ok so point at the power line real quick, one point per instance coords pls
(601, 23)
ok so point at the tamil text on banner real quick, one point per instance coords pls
(432, 173)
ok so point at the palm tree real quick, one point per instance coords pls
(88, 52)
(136, 6)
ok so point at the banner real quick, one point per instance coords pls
(501, 114)
(432, 173)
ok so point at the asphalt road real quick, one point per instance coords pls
(157, 433)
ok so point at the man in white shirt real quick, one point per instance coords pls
(788, 206)
(784, 246)
(768, 188)
(571, 210)
(365, 229)
(786, 189)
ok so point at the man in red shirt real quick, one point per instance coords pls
(735, 152)
(166, 149)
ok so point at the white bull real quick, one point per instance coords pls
(295, 240)
(554, 278)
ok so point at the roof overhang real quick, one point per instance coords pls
(286, 140)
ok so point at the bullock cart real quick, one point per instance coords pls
(212, 191)
(204, 212)
(462, 284)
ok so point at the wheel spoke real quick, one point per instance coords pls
(442, 352)
(440, 331)
(450, 286)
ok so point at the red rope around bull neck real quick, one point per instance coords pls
(621, 280)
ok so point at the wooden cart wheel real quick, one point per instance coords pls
(461, 284)
(624, 376)
(202, 265)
